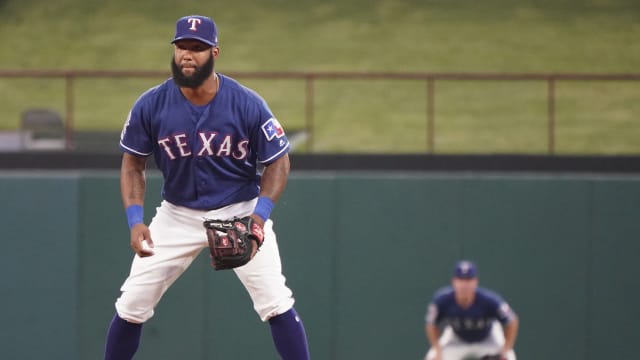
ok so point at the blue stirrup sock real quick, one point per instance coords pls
(289, 336)
(123, 339)
(287, 330)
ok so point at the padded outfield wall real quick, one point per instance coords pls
(363, 253)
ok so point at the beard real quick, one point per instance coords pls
(198, 78)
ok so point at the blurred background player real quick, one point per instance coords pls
(209, 136)
(476, 322)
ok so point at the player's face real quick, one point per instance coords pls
(192, 63)
(464, 288)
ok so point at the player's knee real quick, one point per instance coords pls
(133, 311)
(267, 312)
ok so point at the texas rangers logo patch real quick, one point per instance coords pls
(272, 129)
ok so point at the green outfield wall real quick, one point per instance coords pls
(363, 253)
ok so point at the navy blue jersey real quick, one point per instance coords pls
(474, 323)
(208, 155)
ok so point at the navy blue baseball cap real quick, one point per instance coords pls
(196, 27)
(465, 269)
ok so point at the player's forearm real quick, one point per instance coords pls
(132, 180)
(510, 334)
(274, 178)
(433, 335)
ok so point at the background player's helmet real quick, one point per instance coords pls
(196, 27)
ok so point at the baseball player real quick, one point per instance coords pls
(477, 322)
(223, 155)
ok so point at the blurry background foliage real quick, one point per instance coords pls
(372, 116)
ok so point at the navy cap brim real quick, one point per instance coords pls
(191, 37)
(465, 277)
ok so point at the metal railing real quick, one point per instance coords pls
(309, 78)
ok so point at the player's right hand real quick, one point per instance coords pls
(434, 354)
(141, 241)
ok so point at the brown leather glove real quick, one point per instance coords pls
(235, 246)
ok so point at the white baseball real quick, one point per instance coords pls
(145, 246)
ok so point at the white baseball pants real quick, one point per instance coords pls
(179, 236)
(454, 348)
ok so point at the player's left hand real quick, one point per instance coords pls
(234, 242)
(504, 354)
(500, 356)
(258, 220)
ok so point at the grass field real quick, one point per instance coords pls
(597, 36)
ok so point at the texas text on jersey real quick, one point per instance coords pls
(473, 323)
(211, 146)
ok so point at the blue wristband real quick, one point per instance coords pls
(264, 207)
(135, 215)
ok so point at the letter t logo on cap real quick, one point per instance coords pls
(194, 22)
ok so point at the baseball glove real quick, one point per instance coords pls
(493, 357)
(235, 246)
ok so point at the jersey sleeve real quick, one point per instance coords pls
(135, 138)
(434, 309)
(269, 138)
(432, 315)
(504, 313)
